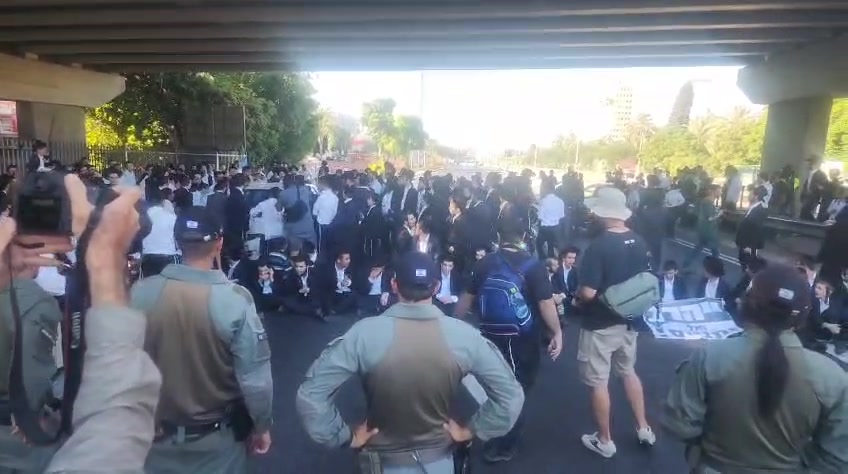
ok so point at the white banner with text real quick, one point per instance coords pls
(691, 319)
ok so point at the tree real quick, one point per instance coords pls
(378, 118)
(682, 107)
(410, 134)
(673, 148)
(280, 113)
(836, 146)
(639, 130)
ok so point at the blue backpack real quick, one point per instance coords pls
(503, 309)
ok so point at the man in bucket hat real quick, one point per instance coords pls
(614, 255)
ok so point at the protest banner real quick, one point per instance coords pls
(691, 319)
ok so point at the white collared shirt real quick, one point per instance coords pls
(232, 269)
(445, 289)
(267, 219)
(326, 206)
(267, 289)
(823, 305)
(711, 288)
(565, 272)
(668, 290)
(376, 285)
(387, 203)
(160, 240)
(753, 206)
(340, 278)
(551, 210)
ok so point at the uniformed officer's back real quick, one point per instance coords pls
(761, 402)
(412, 360)
(205, 337)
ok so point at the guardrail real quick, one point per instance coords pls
(814, 230)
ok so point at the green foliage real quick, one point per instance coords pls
(280, 113)
(394, 136)
(673, 148)
(335, 132)
(837, 133)
(682, 107)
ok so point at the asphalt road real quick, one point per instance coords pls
(558, 410)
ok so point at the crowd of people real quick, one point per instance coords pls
(184, 358)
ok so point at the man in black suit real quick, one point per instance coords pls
(404, 198)
(298, 295)
(266, 287)
(451, 286)
(672, 287)
(812, 189)
(373, 230)
(751, 232)
(565, 283)
(371, 284)
(425, 241)
(182, 195)
(236, 216)
(335, 285)
(38, 159)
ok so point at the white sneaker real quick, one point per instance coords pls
(593, 443)
(646, 436)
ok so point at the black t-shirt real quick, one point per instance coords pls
(611, 258)
(537, 286)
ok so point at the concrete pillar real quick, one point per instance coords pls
(796, 129)
(51, 122)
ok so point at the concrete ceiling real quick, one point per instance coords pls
(184, 35)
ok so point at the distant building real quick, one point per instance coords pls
(621, 107)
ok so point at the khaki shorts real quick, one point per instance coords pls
(598, 350)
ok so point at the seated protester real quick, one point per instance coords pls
(713, 284)
(278, 257)
(808, 266)
(370, 286)
(754, 266)
(298, 296)
(451, 286)
(827, 320)
(424, 241)
(404, 240)
(336, 285)
(241, 268)
(672, 287)
(565, 282)
(266, 288)
(552, 267)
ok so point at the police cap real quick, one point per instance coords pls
(197, 224)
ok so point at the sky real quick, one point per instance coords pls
(490, 111)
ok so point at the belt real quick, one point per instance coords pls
(415, 457)
(191, 432)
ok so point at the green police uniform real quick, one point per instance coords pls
(712, 408)
(205, 337)
(41, 316)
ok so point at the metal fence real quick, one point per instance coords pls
(14, 151)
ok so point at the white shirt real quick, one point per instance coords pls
(753, 206)
(326, 206)
(769, 189)
(51, 281)
(674, 198)
(376, 285)
(734, 189)
(376, 186)
(267, 289)
(823, 305)
(340, 278)
(160, 240)
(565, 272)
(445, 289)
(128, 178)
(199, 197)
(668, 290)
(423, 243)
(711, 288)
(232, 269)
(551, 210)
(387, 202)
(268, 220)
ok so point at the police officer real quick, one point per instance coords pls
(205, 337)
(412, 359)
(761, 402)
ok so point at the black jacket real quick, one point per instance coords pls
(751, 232)
(566, 288)
(679, 288)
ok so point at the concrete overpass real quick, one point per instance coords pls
(792, 47)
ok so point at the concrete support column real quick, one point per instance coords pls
(796, 129)
(51, 122)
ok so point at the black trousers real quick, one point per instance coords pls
(153, 264)
(300, 306)
(548, 235)
(523, 355)
(745, 258)
(340, 303)
(266, 303)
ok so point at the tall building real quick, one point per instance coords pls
(621, 107)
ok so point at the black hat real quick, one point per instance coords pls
(197, 224)
(416, 269)
(780, 285)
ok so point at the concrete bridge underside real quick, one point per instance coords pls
(65, 51)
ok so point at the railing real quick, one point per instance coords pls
(785, 225)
